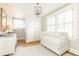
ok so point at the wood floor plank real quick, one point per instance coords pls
(24, 44)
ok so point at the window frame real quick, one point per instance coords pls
(64, 23)
(14, 18)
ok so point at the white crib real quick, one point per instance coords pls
(57, 42)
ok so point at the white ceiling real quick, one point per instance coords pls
(26, 9)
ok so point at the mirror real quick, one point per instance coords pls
(3, 20)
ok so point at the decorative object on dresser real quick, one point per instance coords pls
(57, 42)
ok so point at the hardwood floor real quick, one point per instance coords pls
(24, 44)
(72, 54)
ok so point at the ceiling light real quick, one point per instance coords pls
(37, 9)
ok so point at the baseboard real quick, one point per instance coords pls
(20, 39)
(32, 41)
(74, 51)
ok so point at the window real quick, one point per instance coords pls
(68, 29)
(68, 21)
(62, 22)
(61, 28)
(65, 22)
(18, 23)
(51, 28)
(60, 18)
(51, 20)
(68, 16)
(51, 24)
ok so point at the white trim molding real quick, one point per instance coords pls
(74, 51)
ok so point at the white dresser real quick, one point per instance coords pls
(57, 42)
(7, 44)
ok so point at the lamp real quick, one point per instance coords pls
(37, 9)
